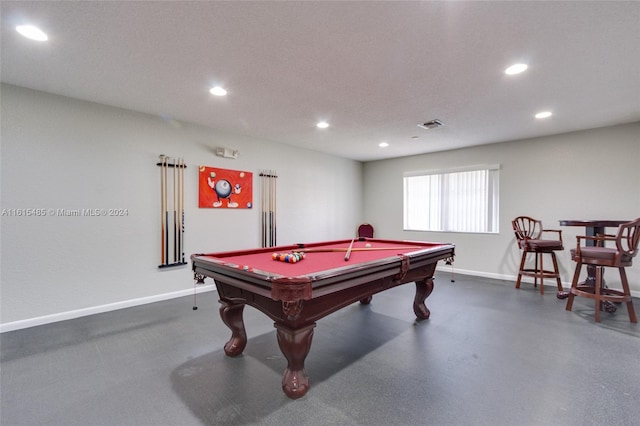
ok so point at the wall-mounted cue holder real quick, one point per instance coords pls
(171, 211)
(268, 181)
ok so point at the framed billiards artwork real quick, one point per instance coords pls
(225, 189)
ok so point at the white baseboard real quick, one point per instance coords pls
(447, 269)
(511, 278)
(63, 316)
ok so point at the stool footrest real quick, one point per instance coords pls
(607, 294)
(536, 273)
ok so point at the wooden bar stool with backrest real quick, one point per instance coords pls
(529, 233)
(621, 256)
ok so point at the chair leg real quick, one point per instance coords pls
(541, 272)
(574, 286)
(627, 292)
(557, 271)
(597, 292)
(535, 276)
(522, 262)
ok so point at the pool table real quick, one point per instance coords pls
(296, 295)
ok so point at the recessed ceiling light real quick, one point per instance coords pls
(218, 91)
(383, 144)
(34, 33)
(544, 114)
(515, 69)
(322, 125)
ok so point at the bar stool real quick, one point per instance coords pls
(529, 239)
(626, 248)
(365, 230)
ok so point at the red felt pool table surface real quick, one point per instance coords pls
(296, 295)
(260, 260)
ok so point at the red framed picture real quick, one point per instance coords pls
(225, 189)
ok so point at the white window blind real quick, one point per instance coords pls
(452, 201)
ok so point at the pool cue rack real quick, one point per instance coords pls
(172, 219)
(268, 180)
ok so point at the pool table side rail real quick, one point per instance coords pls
(216, 263)
(270, 284)
(299, 246)
(209, 265)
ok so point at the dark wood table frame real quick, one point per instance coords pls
(296, 303)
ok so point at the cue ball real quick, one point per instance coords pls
(367, 245)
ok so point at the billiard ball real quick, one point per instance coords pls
(223, 188)
(367, 245)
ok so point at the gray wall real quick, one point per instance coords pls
(592, 174)
(62, 153)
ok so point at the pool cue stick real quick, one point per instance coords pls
(175, 212)
(179, 244)
(337, 249)
(178, 217)
(182, 209)
(270, 208)
(264, 210)
(268, 182)
(265, 213)
(179, 225)
(184, 166)
(261, 224)
(348, 253)
(177, 177)
(166, 211)
(275, 208)
(261, 210)
(272, 199)
(162, 156)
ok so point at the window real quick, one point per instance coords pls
(461, 200)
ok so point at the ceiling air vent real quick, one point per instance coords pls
(431, 124)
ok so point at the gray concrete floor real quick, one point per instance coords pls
(489, 355)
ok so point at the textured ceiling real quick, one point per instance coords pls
(373, 70)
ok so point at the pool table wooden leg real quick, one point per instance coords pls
(295, 345)
(231, 314)
(423, 290)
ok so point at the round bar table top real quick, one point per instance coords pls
(593, 223)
